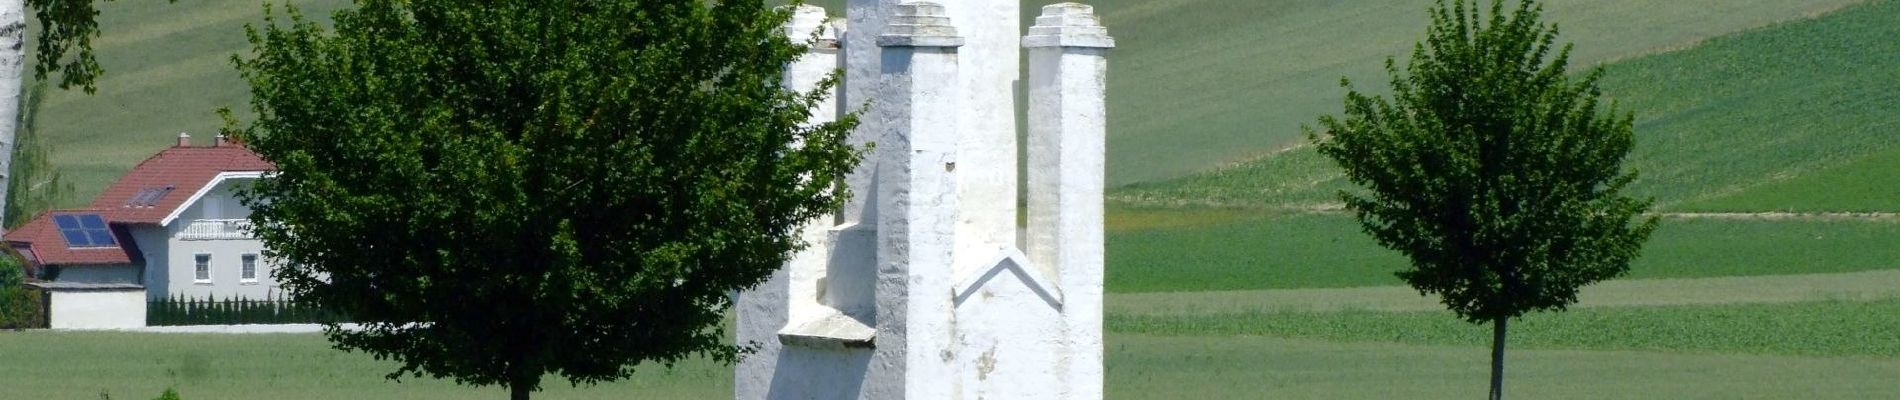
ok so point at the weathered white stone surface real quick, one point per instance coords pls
(917, 289)
(1067, 133)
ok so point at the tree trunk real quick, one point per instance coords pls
(1497, 358)
(521, 383)
(12, 63)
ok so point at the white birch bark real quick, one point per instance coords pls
(12, 64)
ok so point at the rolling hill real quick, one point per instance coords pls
(1792, 117)
(1195, 85)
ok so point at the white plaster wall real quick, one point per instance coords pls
(1008, 337)
(918, 203)
(179, 257)
(1065, 224)
(154, 243)
(863, 61)
(988, 64)
(221, 202)
(100, 273)
(181, 266)
(117, 309)
(933, 211)
(811, 286)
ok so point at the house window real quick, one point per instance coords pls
(249, 273)
(203, 272)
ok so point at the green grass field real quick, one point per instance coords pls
(81, 365)
(1260, 69)
(1815, 350)
(167, 69)
(1250, 367)
(1231, 276)
(1279, 251)
(1796, 116)
(1862, 184)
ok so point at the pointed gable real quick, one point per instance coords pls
(148, 193)
(160, 185)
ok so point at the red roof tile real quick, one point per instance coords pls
(46, 247)
(184, 169)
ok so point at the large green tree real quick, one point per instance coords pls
(500, 190)
(1496, 172)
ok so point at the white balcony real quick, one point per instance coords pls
(217, 229)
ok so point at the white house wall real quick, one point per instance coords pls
(153, 241)
(179, 259)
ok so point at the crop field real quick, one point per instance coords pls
(1863, 184)
(1232, 273)
(1278, 251)
(168, 68)
(1195, 84)
(1260, 69)
(1795, 116)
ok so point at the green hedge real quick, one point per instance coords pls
(20, 308)
(232, 311)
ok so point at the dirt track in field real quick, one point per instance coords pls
(1851, 286)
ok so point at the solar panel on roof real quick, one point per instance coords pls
(84, 230)
(149, 196)
(92, 221)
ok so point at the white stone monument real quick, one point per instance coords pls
(920, 287)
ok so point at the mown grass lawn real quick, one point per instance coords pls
(1262, 367)
(1816, 350)
(82, 365)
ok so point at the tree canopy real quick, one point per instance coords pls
(500, 190)
(1493, 169)
(67, 28)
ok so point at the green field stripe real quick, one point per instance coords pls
(83, 365)
(1142, 367)
(1851, 286)
(75, 365)
(1825, 328)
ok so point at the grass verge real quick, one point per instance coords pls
(1144, 367)
(69, 365)
(1828, 328)
(84, 365)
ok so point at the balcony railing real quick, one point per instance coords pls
(217, 229)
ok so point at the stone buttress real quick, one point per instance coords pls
(920, 287)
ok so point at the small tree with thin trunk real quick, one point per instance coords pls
(502, 190)
(1492, 169)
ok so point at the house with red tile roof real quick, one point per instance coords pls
(171, 226)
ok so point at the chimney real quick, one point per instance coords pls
(184, 139)
(221, 142)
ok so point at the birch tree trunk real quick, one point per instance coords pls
(12, 63)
